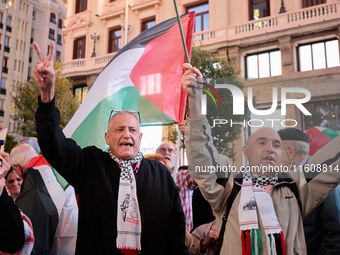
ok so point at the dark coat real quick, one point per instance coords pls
(95, 177)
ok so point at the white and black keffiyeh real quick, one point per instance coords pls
(255, 200)
(128, 215)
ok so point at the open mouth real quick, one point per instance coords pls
(268, 158)
(167, 158)
(127, 144)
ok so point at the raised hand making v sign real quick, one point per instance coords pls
(44, 73)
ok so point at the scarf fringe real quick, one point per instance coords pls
(251, 243)
(129, 251)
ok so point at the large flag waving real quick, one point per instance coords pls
(143, 76)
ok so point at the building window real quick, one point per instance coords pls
(6, 46)
(59, 40)
(146, 24)
(8, 24)
(60, 23)
(30, 56)
(324, 114)
(263, 64)
(81, 5)
(53, 18)
(2, 112)
(309, 3)
(3, 83)
(5, 65)
(318, 55)
(80, 93)
(115, 38)
(201, 16)
(33, 15)
(258, 9)
(79, 48)
(51, 34)
(58, 55)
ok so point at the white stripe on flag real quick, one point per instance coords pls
(113, 78)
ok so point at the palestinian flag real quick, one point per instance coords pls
(319, 137)
(52, 210)
(143, 76)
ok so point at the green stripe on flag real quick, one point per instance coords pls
(92, 130)
(330, 133)
(63, 183)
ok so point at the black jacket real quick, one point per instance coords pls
(95, 177)
(12, 235)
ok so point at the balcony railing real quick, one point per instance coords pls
(286, 20)
(7, 49)
(87, 64)
(2, 113)
(51, 36)
(9, 29)
(3, 91)
(4, 69)
(1, 26)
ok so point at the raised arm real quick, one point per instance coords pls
(44, 74)
(201, 152)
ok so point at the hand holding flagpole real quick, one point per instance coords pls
(44, 73)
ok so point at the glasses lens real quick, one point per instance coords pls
(163, 150)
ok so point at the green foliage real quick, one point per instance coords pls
(10, 143)
(25, 103)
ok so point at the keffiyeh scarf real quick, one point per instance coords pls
(128, 215)
(255, 200)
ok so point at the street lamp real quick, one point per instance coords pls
(95, 38)
(282, 9)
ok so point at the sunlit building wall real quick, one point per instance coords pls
(21, 23)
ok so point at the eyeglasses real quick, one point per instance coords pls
(136, 113)
(15, 167)
(164, 150)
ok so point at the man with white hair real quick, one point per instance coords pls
(169, 153)
(52, 211)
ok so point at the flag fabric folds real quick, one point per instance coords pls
(319, 137)
(143, 76)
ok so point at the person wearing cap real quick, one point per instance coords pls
(322, 225)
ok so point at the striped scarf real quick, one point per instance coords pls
(128, 215)
(256, 200)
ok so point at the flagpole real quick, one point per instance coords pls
(178, 147)
(126, 21)
(183, 39)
